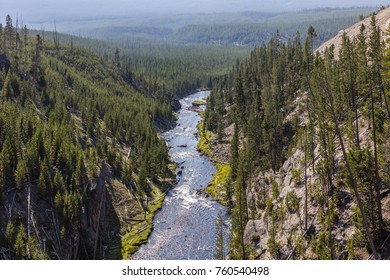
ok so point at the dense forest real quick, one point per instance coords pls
(309, 155)
(256, 29)
(242, 28)
(169, 56)
(74, 134)
(300, 138)
(159, 69)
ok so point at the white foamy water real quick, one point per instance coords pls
(185, 227)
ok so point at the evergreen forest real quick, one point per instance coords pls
(297, 127)
(309, 156)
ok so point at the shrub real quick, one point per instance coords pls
(292, 202)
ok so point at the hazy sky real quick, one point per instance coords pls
(65, 9)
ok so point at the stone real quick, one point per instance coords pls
(287, 179)
(286, 165)
(254, 233)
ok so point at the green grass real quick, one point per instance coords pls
(140, 231)
(198, 103)
(216, 188)
(204, 138)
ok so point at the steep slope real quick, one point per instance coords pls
(309, 155)
(82, 168)
(383, 22)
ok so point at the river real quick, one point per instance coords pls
(185, 228)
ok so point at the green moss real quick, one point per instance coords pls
(198, 103)
(217, 186)
(140, 230)
(136, 237)
(204, 138)
(172, 168)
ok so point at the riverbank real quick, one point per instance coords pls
(184, 228)
(140, 225)
(219, 187)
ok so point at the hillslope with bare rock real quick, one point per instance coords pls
(383, 22)
(310, 149)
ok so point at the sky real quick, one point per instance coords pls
(66, 9)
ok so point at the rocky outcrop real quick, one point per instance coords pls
(286, 187)
(277, 227)
(175, 104)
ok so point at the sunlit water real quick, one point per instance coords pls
(185, 228)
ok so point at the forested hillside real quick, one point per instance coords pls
(252, 27)
(80, 156)
(157, 68)
(309, 148)
(166, 57)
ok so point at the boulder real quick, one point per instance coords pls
(254, 233)
(176, 106)
(287, 179)
(286, 165)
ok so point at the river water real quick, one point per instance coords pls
(185, 228)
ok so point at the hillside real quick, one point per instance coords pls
(82, 167)
(235, 28)
(309, 153)
(382, 20)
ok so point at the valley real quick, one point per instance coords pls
(230, 135)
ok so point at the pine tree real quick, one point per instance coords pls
(234, 152)
(9, 35)
(376, 54)
(10, 234)
(239, 216)
(34, 250)
(127, 173)
(117, 59)
(219, 241)
(36, 59)
(20, 244)
(8, 91)
(327, 88)
(239, 99)
(308, 49)
(21, 174)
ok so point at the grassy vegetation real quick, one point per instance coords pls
(198, 103)
(141, 228)
(205, 137)
(140, 231)
(217, 186)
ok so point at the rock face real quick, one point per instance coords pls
(256, 236)
(383, 21)
(176, 106)
(287, 186)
